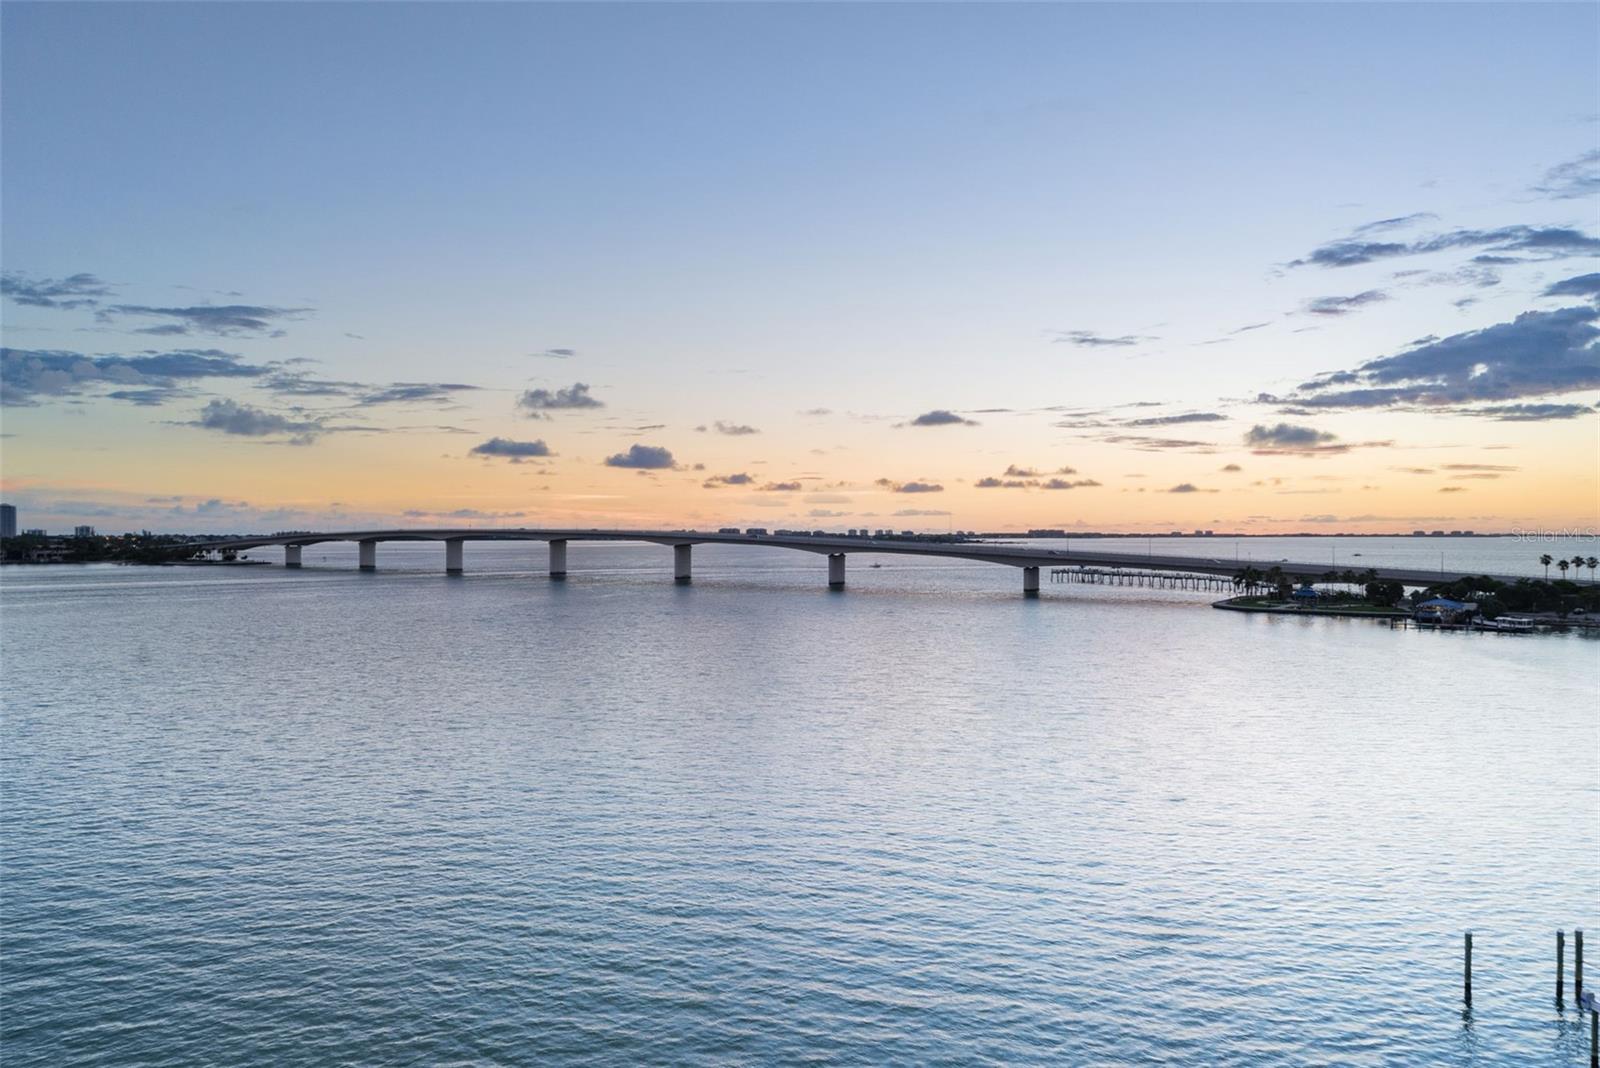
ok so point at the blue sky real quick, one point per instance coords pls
(742, 213)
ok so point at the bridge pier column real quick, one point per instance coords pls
(836, 571)
(558, 558)
(452, 556)
(1030, 582)
(681, 556)
(368, 558)
(291, 556)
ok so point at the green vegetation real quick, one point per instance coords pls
(1524, 596)
(142, 548)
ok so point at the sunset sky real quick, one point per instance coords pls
(1139, 267)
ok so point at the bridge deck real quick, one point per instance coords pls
(985, 552)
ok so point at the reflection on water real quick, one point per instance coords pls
(259, 816)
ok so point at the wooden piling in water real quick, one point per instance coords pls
(1467, 974)
(1561, 965)
(1594, 1039)
(1577, 965)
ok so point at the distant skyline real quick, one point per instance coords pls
(1138, 267)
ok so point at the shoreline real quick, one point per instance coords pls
(1227, 604)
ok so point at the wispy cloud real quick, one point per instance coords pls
(28, 375)
(460, 513)
(74, 291)
(1573, 179)
(735, 430)
(739, 479)
(222, 320)
(1176, 420)
(1535, 242)
(1536, 353)
(1530, 413)
(1583, 285)
(1091, 339)
(1398, 222)
(1344, 305)
(415, 393)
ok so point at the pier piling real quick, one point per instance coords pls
(1561, 965)
(1577, 965)
(1467, 974)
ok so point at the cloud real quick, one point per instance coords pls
(1547, 242)
(1185, 487)
(1013, 471)
(461, 513)
(910, 487)
(26, 375)
(782, 487)
(1398, 222)
(643, 458)
(511, 450)
(824, 513)
(302, 384)
(1480, 467)
(223, 320)
(575, 396)
(817, 411)
(555, 354)
(74, 291)
(907, 513)
(1090, 339)
(1344, 305)
(1529, 413)
(1452, 489)
(1232, 468)
(1573, 179)
(735, 430)
(941, 417)
(715, 481)
(1285, 436)
(1174, 420)
(231, 417)
(1536, 353)
(1144, 443)
(1064, 484)
(414, 392)
(1000, 483)
(1584, 285)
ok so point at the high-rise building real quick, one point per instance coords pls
(8, 520)
(83, 532)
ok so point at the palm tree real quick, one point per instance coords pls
(1563, 565)
(1591, 564)
(1547, 560)
(1577, 565)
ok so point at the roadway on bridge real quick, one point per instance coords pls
(992, 552)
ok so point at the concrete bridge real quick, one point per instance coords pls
(834, 546)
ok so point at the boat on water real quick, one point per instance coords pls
(1507, 625)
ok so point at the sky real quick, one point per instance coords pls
(1132, 267)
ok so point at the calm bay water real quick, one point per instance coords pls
(320, 817)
